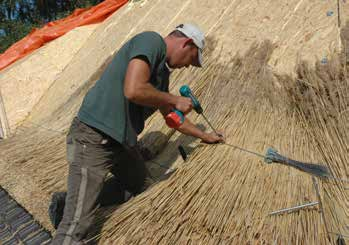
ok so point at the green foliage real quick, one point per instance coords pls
(19, 17)
(12, 32)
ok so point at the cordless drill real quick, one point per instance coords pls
(176, 118)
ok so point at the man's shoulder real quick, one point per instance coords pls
(150, 36)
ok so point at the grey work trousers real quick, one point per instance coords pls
(91, 155)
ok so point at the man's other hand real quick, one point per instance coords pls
(213, 138)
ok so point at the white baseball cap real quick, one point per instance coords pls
(194, 33)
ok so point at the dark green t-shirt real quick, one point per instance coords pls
(105, 106)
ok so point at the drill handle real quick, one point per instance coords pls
(196, 104)
(186, 92)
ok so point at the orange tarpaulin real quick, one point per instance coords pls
(38, 37)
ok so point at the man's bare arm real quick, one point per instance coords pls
(138, 89)
(188, 128)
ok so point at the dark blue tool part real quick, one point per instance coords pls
(185, 91)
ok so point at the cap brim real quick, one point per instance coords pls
(199, 60)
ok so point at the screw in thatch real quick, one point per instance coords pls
(324, 60)
(330, 13)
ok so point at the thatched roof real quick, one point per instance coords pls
(258, 98)
(222, 195)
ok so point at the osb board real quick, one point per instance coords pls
(23, 83)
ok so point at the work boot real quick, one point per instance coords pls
(56, 208)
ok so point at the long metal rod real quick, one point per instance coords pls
(208, 122)
(234, 146)
(245, 150)
(293, 209)
(316, 186)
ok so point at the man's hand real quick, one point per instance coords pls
(184, 104)
(188, 128)
(213, 138)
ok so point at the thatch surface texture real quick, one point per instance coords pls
(301, 29)
(224, 196)
(220, 195)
